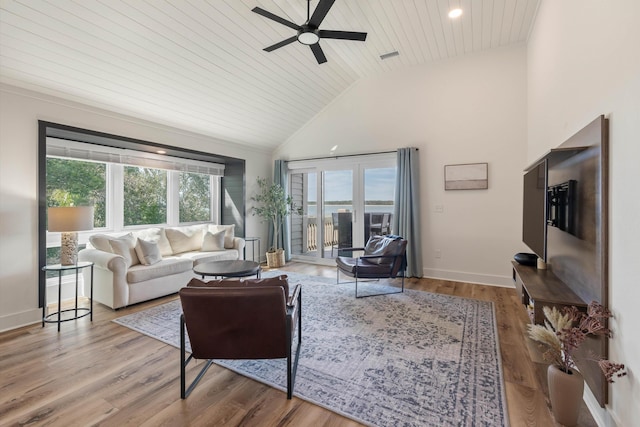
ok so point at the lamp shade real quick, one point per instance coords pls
(75, 218)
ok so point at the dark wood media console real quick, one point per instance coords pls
(543, 288)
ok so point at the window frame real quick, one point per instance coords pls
(114, 215)
(357, 164)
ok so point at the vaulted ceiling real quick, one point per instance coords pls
(199, 65)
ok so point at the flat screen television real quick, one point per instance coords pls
(534, 210)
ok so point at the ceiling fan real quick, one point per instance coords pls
(308, 33)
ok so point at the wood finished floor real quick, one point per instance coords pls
(104, 374)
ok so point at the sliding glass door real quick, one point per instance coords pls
(343, 202)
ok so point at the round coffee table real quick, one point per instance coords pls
(237, 268)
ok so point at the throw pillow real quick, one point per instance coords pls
(101, 242)
(185, 240)
(155, 234)
(229, 233)
(125, 247)
(380, 245)
(213, 241)
(148, 252)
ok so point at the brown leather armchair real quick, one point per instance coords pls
(384, 257)
(232, 319)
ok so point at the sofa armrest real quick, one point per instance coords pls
(238, 244)
(105, 260)
(110, 285)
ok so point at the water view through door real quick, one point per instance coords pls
(355, 203)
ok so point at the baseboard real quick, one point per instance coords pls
(593, 406)
(18, 320)
(602, 416)
(461, 276)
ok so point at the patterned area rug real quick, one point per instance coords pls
(412, 359)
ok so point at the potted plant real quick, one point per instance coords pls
(272, 205)
(562, 334)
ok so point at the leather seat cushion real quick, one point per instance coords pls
(281, 280)
(364, 267)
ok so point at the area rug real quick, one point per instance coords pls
(409, 359)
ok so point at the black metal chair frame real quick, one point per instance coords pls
(401, 272)
(294, 313)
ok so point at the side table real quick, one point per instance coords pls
(253, 241)
(49, 318)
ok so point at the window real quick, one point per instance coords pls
(145, 196)
(78, 183)
(379, 190)
(130, 196)
(75, 183)
(130, 188)
(195, 197)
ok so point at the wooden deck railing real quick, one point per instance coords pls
(330, 234)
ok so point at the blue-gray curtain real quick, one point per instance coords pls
(280, 177)
(406, 218)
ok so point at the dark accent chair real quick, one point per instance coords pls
(384, 258)
(247, 319)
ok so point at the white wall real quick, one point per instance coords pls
(471, 109)
(20, 111)
(583, 61)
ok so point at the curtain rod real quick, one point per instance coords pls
(343, 155)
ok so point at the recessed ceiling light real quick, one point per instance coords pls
(455, 13)
(161, 152)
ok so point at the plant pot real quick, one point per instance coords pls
(275, 259)
(565, 394)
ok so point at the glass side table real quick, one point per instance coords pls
(253, 241)
(78, 312)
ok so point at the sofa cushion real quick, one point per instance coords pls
(148, 252)
(199, 257)
(158, 235)
(184, 239)
(166, 267)
(125, 247)
(213, 241)
(229, 233)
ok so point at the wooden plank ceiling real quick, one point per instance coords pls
(199, 64)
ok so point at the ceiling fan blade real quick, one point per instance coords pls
(321, 11)
(318, 53)
(342, 35)
(280, 44)
(276, 18)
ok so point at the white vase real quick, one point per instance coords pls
(565, 394)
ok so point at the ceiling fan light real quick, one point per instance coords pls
(308, 37)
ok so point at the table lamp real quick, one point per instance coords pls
(70, 220)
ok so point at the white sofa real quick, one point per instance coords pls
(153, 262)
